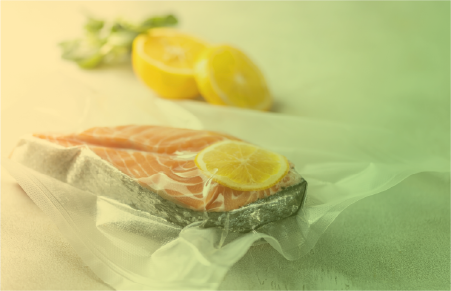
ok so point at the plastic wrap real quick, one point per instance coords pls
(154, 171)
(130, 249)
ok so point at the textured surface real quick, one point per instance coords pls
(35, 256)
(408, 249)
(381, 64)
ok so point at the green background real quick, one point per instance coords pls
(379, 64)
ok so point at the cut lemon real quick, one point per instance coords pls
(226, 76)
(164, 58)
(242, 166)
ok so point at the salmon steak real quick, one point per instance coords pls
(161, 160)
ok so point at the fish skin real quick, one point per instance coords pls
(162, 159)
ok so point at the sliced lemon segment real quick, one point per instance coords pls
(226, 76)
(164, 58)
(242, 166)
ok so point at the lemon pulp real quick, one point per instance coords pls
(227, 76)
(242, 166)
(164, 59)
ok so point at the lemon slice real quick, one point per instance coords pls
(164, 58)
(242, 166)
(226, 76)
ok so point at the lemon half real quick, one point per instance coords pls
(242, 166)
(226, 76)
(164, 58)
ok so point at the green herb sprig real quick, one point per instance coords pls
(107, 43)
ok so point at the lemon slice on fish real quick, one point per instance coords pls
(164, 58)
(242, 166)
(227, 76)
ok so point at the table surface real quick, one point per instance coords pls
(378, 64)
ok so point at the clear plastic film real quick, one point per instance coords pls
(130, 248)
(152, 169)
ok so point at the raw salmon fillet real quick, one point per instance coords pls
(162, 159)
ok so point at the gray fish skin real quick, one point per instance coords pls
(80, 167)
(251, 216)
